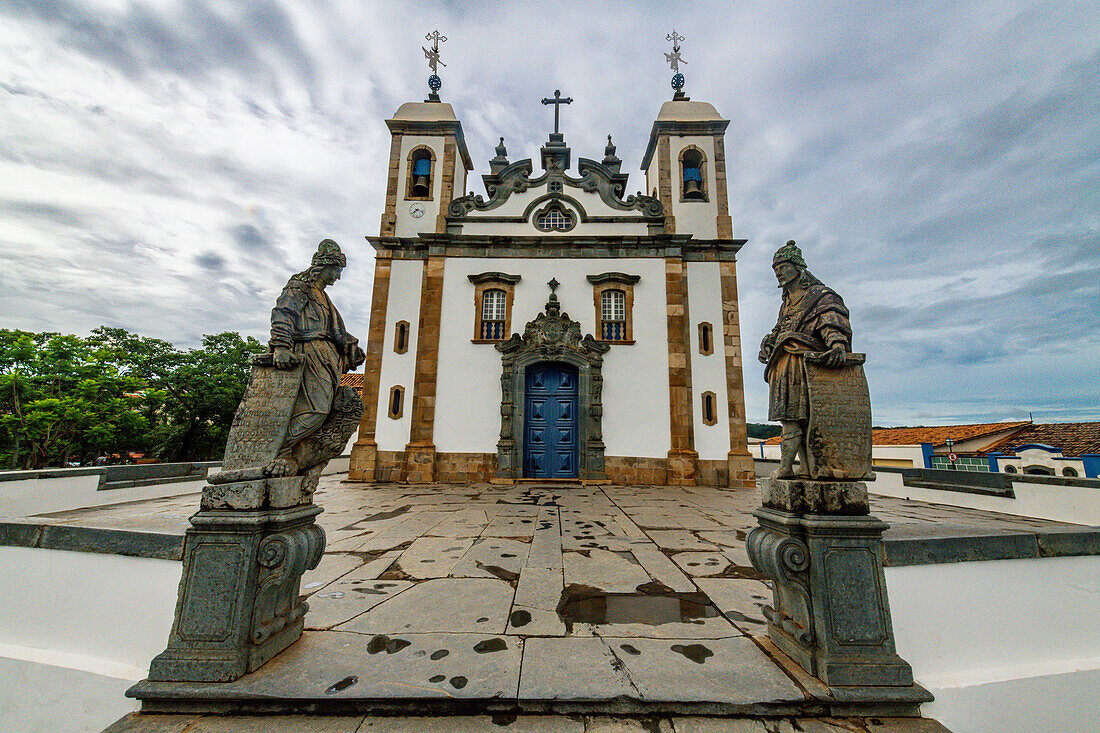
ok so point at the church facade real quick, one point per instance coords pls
(555, 328)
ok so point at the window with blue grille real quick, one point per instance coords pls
(494, 309)
(613, 315)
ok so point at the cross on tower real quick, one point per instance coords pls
(673, 58)
(557, 101)
(432, 54)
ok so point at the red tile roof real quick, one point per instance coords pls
(1072, 438)
(353, 380)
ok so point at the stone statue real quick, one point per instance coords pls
(295, 415)
(811, 392)
(305, 326)
(255, 533)
(816, 541)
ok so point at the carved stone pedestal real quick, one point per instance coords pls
(238, 600)
(830, 612)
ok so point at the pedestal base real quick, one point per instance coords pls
(805, 496)
(830, 612)
(238, 599)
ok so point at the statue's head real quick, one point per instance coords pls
(327, 264)
(788, 264)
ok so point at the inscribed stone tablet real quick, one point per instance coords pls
(260, 423)
(838, 437)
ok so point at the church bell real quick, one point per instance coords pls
(692, 190)
(420, 186)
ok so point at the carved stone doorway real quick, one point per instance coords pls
(552, 337)
(550, 421)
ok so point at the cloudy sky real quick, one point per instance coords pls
(165, 165)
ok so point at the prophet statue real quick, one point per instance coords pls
(810, 345)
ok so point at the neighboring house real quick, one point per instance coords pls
(1054, 449)
(559, 326)
(1069, 449)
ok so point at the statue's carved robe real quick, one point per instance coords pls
(306, 322)
(812, 319)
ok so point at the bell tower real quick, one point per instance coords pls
(428, 167)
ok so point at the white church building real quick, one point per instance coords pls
(556, 327)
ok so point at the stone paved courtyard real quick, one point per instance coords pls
(556, 595)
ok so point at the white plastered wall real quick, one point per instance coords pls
(407, 225)
(406, 279)
(635, 394)
(708, 373)
(695, 217)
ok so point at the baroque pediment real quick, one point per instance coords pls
(594, 177)
(553, 332)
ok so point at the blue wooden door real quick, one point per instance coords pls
(550, 422)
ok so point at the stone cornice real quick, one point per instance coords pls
(680, 128)
(535, 247)
(434, 127)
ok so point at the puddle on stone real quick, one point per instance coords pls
(490, 645)
(520, 618)
(383, 643)
(437, 678)
(695, 652)
(630, 649)
(580, 604)
(458, 682)
(342, 685)
(439, 654)
(387, 515)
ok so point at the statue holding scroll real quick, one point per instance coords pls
(295, 415)
(816, 386)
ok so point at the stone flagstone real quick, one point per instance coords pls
(466, 605)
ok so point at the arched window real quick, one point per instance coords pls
(710, 408)
(554, 219)
(693, 175)
(396, 405)
(1069, 472)
(401, 337)
(493, 311)
(421, 162)
(706, 339)
(613, 315)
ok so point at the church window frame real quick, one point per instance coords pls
(1069, 472)
(401, 337)
(692, 157)
(706, 338)
(709, 405)
(494, 294)
(614, 314)
(395, 404)
(419, 153)
(553, 218)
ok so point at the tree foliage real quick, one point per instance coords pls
(64, 398)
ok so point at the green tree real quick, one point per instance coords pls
(60, 399)
(65, 398)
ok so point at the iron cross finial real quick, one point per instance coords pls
(432, 54)
(557, 101)
(673, 59)
(553, 284)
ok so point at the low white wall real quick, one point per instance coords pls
(1005, 646)
(26, 497)
(1072, 504)
(76, 630)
